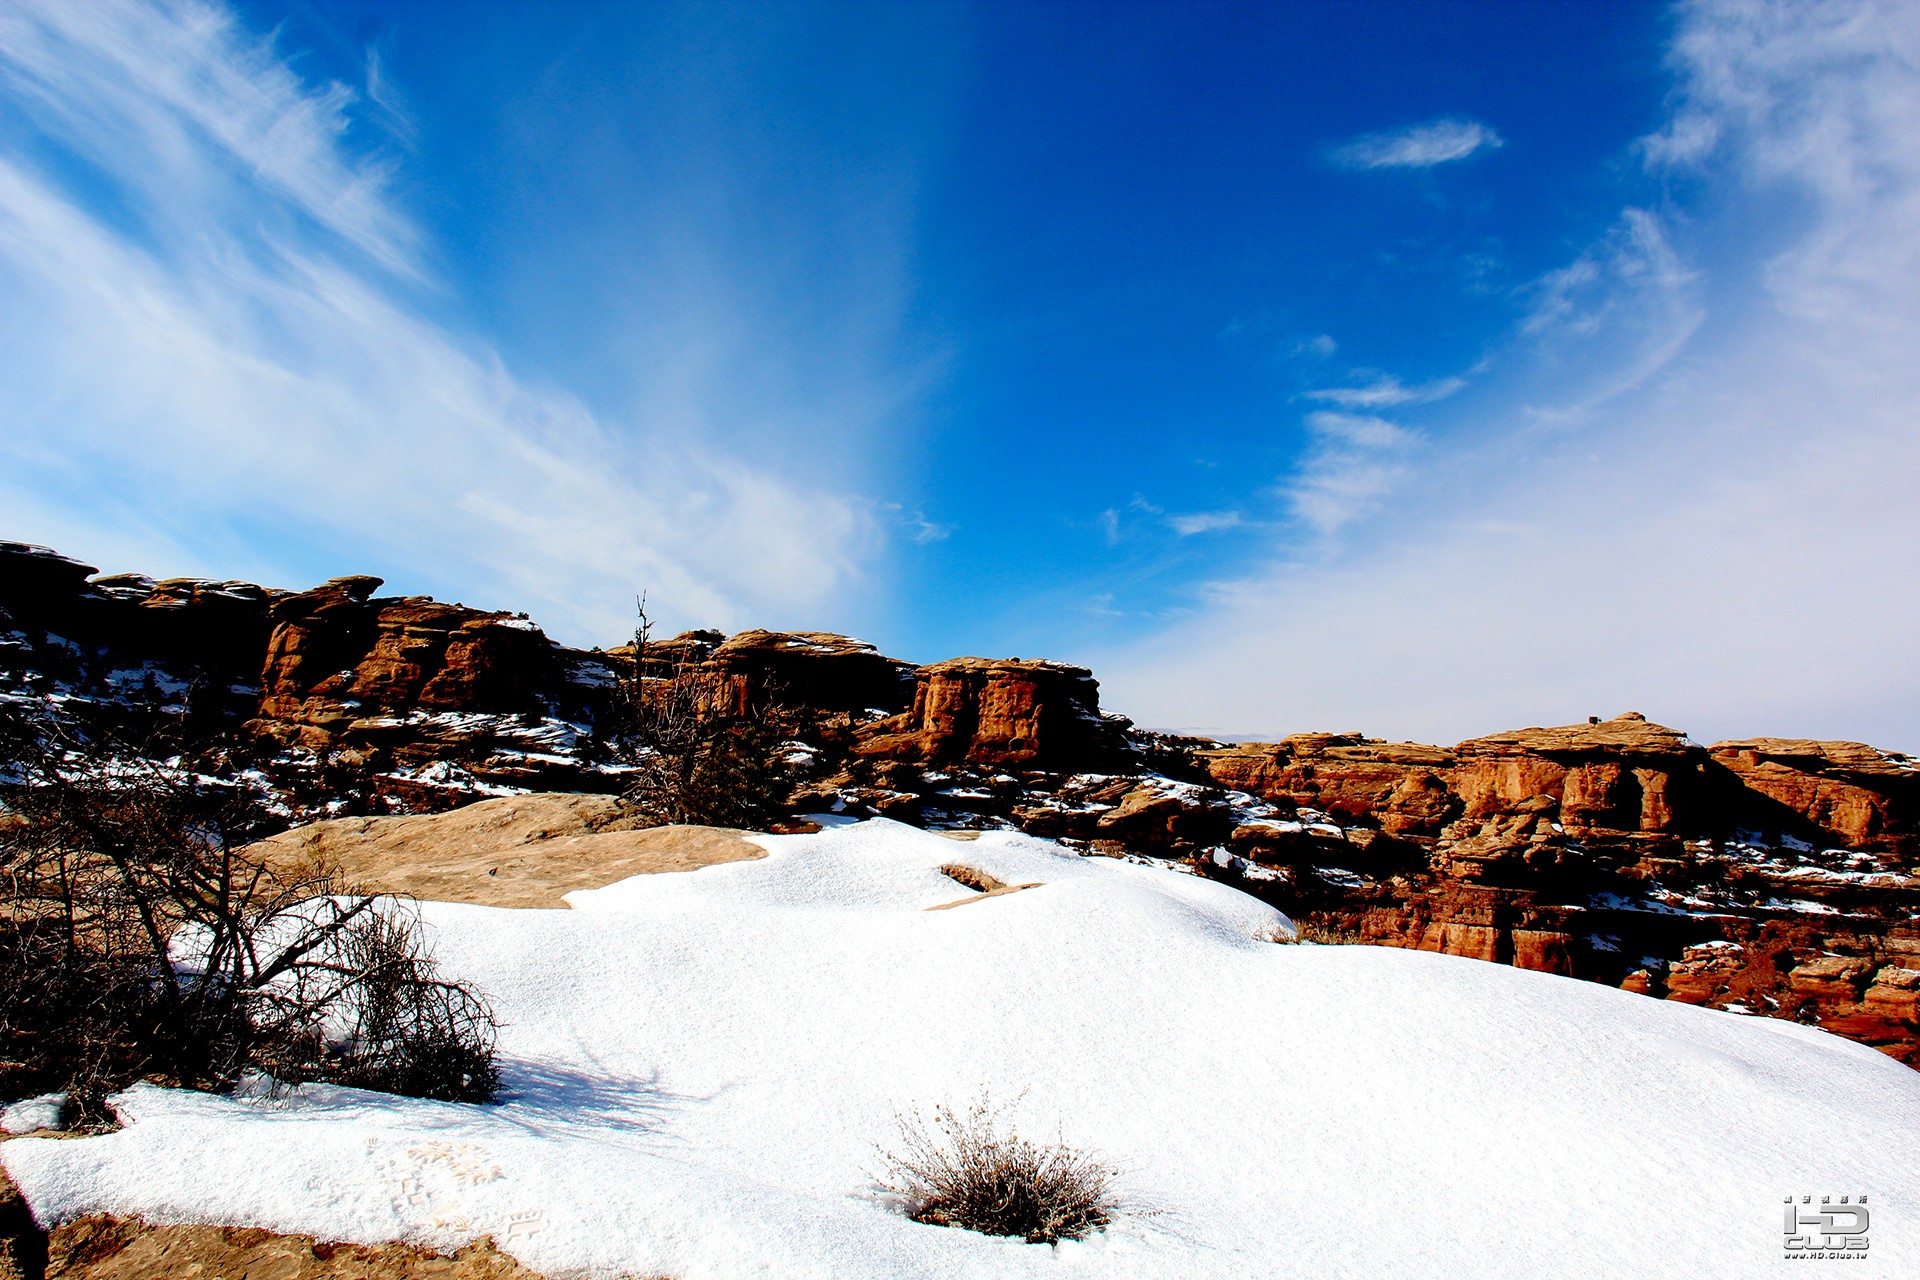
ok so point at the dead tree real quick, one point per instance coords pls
(700, 745)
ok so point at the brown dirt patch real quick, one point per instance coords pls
(108, 1248)
(105, 1247)
(516, 851)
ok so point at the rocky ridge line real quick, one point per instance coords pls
(1770, 876)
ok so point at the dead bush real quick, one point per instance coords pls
(138, 940)
(369, 1009)
(962, 1169)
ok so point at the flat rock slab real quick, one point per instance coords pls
(516, 851)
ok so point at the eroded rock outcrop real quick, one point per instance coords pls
(814, 669)
(127, 639)
(1626, 774)
(1401, 785)
(1001, 712)
(337, 656)
(1844, 793)
(1766, 876)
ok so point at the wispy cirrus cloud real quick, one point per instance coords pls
(1616, 315)
(215, 352)
(1419, 146)
(1355, 461)
(181, 85)
(1636, 258)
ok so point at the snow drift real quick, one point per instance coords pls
(701, 1065)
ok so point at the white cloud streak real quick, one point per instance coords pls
(1385, 391)
(219, 357)
(1697, 500)
(1420, 146)
(1204, 522)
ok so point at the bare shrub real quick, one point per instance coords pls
(1311, 928)
(700, 746)
(369, 1009)
(963, 1170)
(138, 940)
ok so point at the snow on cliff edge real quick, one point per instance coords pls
(700, 1066)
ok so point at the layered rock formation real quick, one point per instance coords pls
(1843, 793)
(1768, 875)
(335, 651)
(1619, 775)
(1008, 712)
(1399, 784)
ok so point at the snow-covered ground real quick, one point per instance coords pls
(702, 1064)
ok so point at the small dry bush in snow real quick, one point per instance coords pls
(964, 1170)
(1310, 929)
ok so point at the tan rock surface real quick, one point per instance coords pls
(1627, 734)
(516, 851)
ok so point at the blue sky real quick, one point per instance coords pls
(1421, 369)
